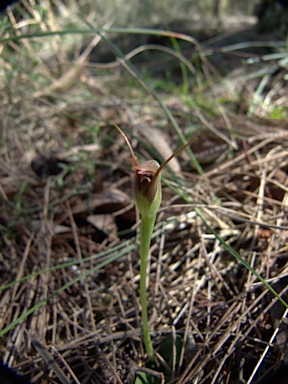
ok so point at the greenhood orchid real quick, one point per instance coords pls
(148, 195)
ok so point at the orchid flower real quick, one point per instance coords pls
(148, 195)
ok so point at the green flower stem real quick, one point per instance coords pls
(146, 230)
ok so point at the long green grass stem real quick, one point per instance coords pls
(146, 230)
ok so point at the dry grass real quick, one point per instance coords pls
(69, 243)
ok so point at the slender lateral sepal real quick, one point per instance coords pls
(148, 195)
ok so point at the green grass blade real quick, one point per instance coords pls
(239, 258)
(64, 287)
